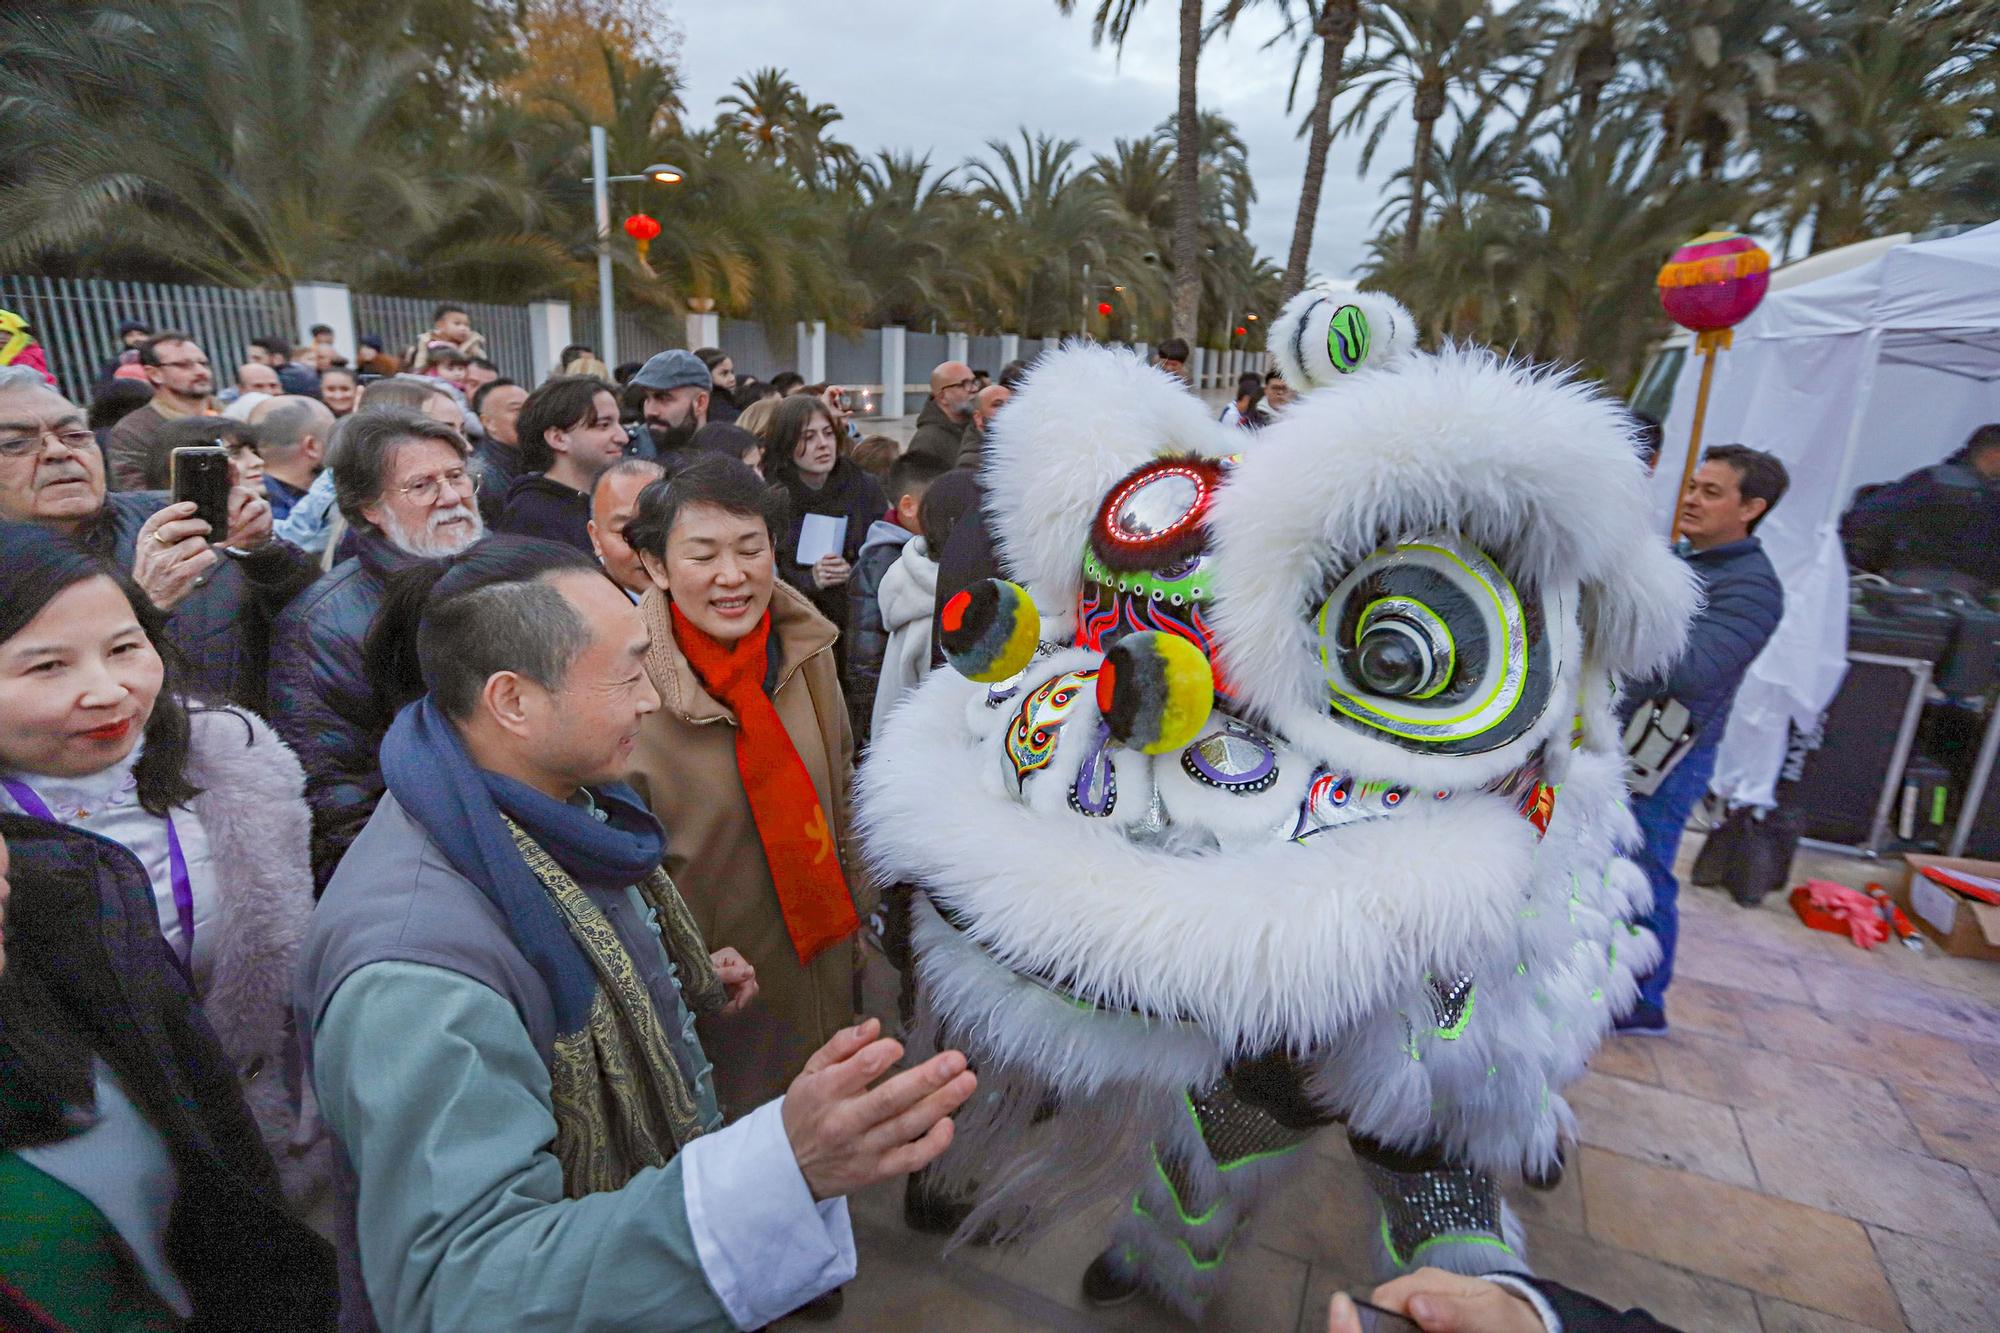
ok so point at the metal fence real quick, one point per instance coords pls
(76, 320)
(855, 359)
(983, 353)
(753, 352)
(400, 320)
(637, 337)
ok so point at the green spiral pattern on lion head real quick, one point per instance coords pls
(1347, 339)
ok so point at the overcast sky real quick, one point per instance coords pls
(944, 76)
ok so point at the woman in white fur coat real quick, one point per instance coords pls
(208, 801)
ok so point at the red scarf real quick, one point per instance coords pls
(798, 843)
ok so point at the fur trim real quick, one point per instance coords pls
(253, 808)
(1084, 418)
(1297, 337)
(1535, 469)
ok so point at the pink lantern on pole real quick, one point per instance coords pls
(1711, 285)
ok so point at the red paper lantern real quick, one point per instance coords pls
(642, 230)
(1104, 309)
(1714, 281)
(1242, 332)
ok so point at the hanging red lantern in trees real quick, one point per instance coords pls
(1104, 309)
(642, 230)
(1710, 285)
(1242, 332)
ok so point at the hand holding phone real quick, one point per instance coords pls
(201, 476)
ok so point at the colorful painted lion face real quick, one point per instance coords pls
(1405, 600)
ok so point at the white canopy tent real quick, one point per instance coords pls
(1858, 377)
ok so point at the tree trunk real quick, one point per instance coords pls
(1335, 28)
(1426, 105)
(1187, 183)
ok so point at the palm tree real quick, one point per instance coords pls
(1711, 66)
(1328, 27)
(1431, 48)
(1049, 219)
(1114, 18)
(775, 119)
(1879, 97)
(1588, 54)
(173, 131)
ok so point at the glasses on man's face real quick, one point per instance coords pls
(965, 384)
(425, 490)
(196, 363)
(76, 439)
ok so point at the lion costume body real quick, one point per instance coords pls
(1307, 805)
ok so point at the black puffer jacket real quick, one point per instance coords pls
(322, 702)
(1744, 602)
(223, 628)
(538, 507)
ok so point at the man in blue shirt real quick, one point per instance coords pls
(1725, 500)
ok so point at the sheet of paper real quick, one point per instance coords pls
(821, 535)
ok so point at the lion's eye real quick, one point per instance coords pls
(1429, 643)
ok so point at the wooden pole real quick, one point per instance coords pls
(1706, 344)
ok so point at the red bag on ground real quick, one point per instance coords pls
(1839, 910)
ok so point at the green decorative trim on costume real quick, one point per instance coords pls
(1492, 1071)
(1205, 1265)
(1190, 588)
(1348, 338)
(1451, 1238)
(1520, 969)
(1187, 1100)
(1457, 1029)
(1139, 1210)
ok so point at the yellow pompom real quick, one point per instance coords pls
(1155, 691)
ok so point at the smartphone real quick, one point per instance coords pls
(201, 474)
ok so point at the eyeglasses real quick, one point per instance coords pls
(73, 438)
(964, 384)
(425, 490)
(199, 363)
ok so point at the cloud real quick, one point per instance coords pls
(944, 76)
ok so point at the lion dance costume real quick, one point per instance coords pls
(1281, 790)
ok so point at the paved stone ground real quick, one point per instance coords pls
(1814, 1149)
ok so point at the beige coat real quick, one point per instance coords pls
(685, 767)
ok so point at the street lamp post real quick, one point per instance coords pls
(661, 173)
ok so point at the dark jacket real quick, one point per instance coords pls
(500, 466)
(222, 628)
(245, 1261)
(323, 703)
(281, 495)
(849, 493)
(1944, 517)
(937, 435)
(721, 407)
(867, 637)
(538, 507)
(969, 555)
(1744, 602)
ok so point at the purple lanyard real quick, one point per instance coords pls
(177, 867)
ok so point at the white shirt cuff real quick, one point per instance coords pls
(1543, 1310)
(764, 1245)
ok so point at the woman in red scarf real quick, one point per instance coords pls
(747, 764)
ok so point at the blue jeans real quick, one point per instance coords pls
(1663, 817)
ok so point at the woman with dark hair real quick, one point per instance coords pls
(747, 764)
(238, 437)
(113, 402)
(722, 404)
(161, 889)
(207, 802)
(719, 437)
(804, 458)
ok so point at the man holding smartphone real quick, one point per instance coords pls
(220, 591)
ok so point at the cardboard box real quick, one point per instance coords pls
(1962, 926)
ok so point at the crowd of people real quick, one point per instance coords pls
(491, 766)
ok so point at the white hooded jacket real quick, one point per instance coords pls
(908, 596)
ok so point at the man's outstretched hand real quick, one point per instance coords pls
(847, 1135)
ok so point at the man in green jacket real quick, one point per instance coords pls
(500, 988)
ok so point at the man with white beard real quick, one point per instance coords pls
(407, 485)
